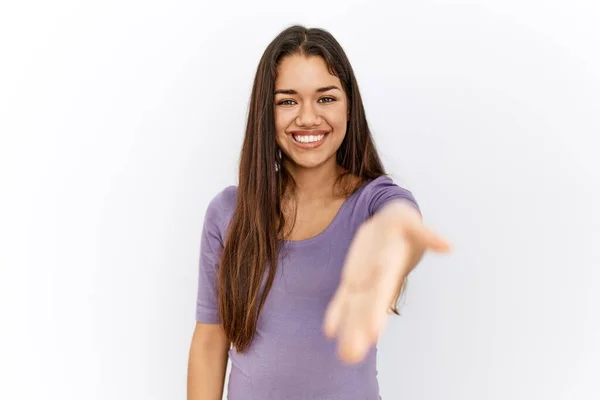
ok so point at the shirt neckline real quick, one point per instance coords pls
(333, 222)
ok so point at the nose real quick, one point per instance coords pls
(307, 116)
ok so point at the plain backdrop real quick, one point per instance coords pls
(120, 120)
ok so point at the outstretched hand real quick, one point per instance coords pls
(384, 250)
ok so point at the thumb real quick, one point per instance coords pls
(433, 240)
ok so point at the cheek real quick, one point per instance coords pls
(282, 121)
(281, 124)
(338, 120)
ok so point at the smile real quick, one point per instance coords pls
(309, 140)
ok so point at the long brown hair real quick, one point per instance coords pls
(255, 233)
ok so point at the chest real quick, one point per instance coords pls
(311, 219)
(308, 273)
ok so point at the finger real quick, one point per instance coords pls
(354, 338)
(431, 239)
(335, 312)
(387, 288)
(377, 318)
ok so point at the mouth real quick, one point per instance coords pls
(309, 139)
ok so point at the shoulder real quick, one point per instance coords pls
(220, 210)
(224, 200)
(377, 192)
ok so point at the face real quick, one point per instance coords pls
(311, 112)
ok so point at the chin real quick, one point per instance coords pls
(310, 162)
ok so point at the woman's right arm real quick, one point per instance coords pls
(207, 362)
(209, 349)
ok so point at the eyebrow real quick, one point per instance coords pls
(319, 90)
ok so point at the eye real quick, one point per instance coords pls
(287, 102)
(327, 99)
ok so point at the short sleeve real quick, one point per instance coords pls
(382, 190)
(211, 247)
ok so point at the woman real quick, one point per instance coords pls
(313, 201)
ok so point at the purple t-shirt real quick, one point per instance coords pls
(290, 358)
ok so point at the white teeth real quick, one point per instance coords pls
(307, 139)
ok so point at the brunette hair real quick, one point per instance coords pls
(255, 233)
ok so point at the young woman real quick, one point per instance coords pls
(314, 243)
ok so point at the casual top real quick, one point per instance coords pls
(290, 358)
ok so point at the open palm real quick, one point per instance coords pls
(378, 260)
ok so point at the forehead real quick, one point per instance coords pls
(304, 72)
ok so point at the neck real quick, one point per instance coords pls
(313, 183)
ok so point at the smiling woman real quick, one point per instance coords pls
(313, 243)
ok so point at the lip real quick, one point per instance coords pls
(312, 145)
(308, 133)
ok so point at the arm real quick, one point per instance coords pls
(209, 348)
(207, 362)
(393, 213)
(384, 250)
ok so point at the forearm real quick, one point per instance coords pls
(206, 372)
(392, 215)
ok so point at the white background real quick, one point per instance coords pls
(120, 120)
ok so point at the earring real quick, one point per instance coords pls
(278, 160)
